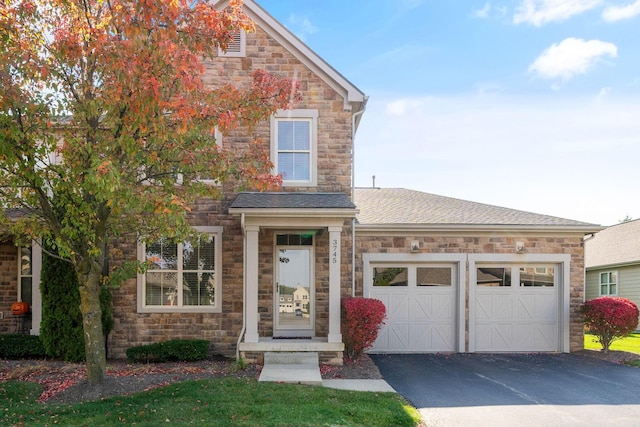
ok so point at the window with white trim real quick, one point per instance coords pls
(204, 178)
(25, 274)
(294, 146)
(609, 283)
(182, 276)
(237, 48)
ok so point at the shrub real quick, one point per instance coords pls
(167, 351)
(361, 321)
(609, 318)
(13, 346)
(61, 328)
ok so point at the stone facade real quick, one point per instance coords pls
(495, 243)
(334, 175)
(8, 285)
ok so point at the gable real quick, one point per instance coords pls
(354, 98)
(615, 245)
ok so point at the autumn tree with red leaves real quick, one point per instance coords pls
(102, 105)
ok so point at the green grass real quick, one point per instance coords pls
(217, 402)
(630, 343)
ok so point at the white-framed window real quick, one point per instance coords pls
(294, 135)
(237, 48)
(183, 276)
(25, 274)
(209, 180)
(608, 283)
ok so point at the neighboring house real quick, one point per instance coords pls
(454, 275)
(612, 259)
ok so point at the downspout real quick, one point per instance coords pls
(363, 108)
(585, 239)
(244, 286)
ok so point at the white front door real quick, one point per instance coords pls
(294, 292)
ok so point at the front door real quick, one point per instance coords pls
(294, 292)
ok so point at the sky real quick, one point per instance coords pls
(527, 104)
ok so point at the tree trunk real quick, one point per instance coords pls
(89, 279)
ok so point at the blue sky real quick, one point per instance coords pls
(527, 104)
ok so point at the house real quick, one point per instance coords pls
(454, 275)
(612, 259)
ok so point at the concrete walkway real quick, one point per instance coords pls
(304, 368)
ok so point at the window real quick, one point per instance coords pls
(237, 48)
(206, 179)
(537, 276)
(25, 273)
(489, 276)
(390, 276)
(181, 276)
(609, 283)
(294, 146)
(434, 276)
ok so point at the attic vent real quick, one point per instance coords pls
(237, 47)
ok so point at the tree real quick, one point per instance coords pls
(609, 318)
(102, 106)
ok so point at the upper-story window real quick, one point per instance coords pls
(609, 283)
(237, 48)
(294, 146)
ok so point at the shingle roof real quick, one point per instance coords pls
(618, 244)
(396, 206)
(284, 200)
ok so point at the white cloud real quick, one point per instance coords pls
(403, 107)
(484, 12)
(540, 12)
(616, 13)
(302, 25)
(571, 57)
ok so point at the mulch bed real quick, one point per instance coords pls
(66, 382)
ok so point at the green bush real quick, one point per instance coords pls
(13, 346)
(61, 328)
(168, 351)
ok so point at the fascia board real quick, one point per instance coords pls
(439, 229)
(294, 212)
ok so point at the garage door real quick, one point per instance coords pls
(514, 308)
(421, 306)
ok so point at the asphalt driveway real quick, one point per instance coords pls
(515, 389)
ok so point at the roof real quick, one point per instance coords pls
(351, 94)
(399, 206)
(615, 245)
(252, 200)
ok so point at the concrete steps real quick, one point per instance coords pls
(291, 367)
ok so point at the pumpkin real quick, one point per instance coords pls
(19, 308)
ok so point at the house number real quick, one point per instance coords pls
(334, 251)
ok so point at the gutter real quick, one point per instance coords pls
(353, 192)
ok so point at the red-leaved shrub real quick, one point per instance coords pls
(609, 318)
(361, 321)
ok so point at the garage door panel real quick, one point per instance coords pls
(494, 306)
(419, 318)
(432, 307)
(514, 313)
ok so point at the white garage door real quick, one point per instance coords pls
(421, 306)
(514, 308)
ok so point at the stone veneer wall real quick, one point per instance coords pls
(334, 175)
(8, 285)
(495, 244)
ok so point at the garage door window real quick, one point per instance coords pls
(494, 276)
(390, 276)
(537, 276)
(434, 276)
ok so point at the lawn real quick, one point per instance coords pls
(630, 343)
(218, 402)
